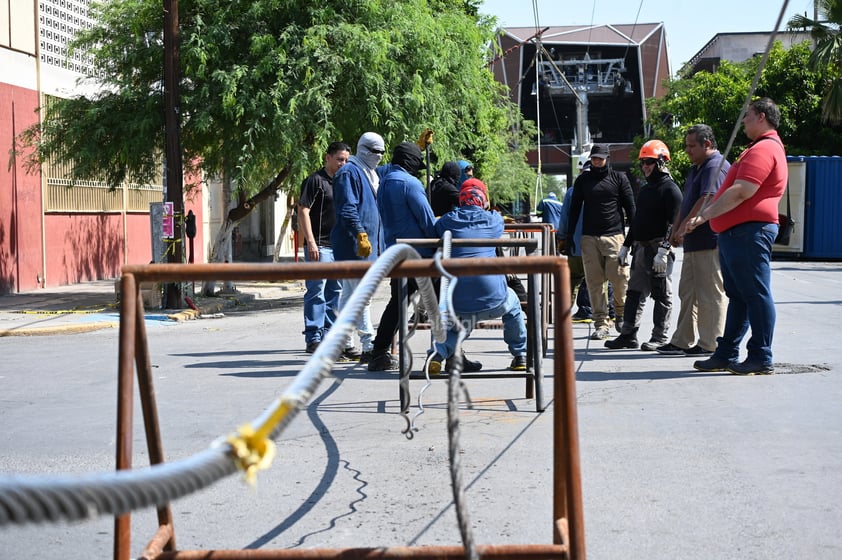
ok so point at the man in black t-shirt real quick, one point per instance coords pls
(315, 221)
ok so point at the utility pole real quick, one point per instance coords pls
(172, 127)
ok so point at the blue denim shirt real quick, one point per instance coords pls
(404, 209)
(355, 205)
(551, 209)
(562, 224)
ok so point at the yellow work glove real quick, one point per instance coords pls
(425, 139)
(363, 245)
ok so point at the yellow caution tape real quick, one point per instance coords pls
(64, 311)
(170, 244)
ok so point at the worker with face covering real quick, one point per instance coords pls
(405, 214)
(357, 234)
(444, 190)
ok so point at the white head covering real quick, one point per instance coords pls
(370, 150)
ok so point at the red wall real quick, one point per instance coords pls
(20, 196)
(83, 247)
(79, 247)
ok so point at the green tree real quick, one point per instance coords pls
(511, 176)
(267, 84)
(717, 98)
(826, 58)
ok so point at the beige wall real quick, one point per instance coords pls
(17, 25)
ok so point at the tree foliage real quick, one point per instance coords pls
(717, 98)
(267, 84)
(826, 57)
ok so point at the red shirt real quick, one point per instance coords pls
(762, 163)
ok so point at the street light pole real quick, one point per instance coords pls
(172, 127)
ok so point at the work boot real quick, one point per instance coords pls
(468, 366)
(652, 345)
(622, 341)
(518, 363)
(381, 360)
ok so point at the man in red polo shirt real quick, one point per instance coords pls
(744, 212)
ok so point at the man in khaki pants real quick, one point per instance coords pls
(700, 288)
(608, 202)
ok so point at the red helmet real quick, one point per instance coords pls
(654, 149)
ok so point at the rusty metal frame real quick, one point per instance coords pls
(568, 515)
(548, 248)
(536, 331)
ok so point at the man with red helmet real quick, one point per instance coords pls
(656, 209)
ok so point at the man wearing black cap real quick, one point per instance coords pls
(404, 213)
(608, 201)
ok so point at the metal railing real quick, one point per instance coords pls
(568, 525)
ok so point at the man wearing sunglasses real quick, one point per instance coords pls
(357, 234)
(656, 209)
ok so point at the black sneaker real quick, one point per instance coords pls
(697, 351)
(652, 345)
(468, 366)
(712, 364)
(347, 356)
(381, 360)
(622, 341)
(365, 357)
(351, 353)
(311, 346)
(518, 363)
(582, 317)
(670, 349)
(751, 368)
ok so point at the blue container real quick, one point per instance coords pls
(823, 212)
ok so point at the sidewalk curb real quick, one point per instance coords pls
(238, 301)
(61, 329)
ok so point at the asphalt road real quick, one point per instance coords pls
(675, 463)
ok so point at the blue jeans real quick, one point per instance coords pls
(321, 301)
(745, 252)
(514, 327)
(365, 329)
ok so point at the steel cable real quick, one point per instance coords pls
(54, 498)
(460, 501)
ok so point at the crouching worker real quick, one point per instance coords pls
(479, 298)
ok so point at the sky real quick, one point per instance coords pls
(688, 26)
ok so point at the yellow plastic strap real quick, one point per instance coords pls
(252, 447)
(253, 453)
